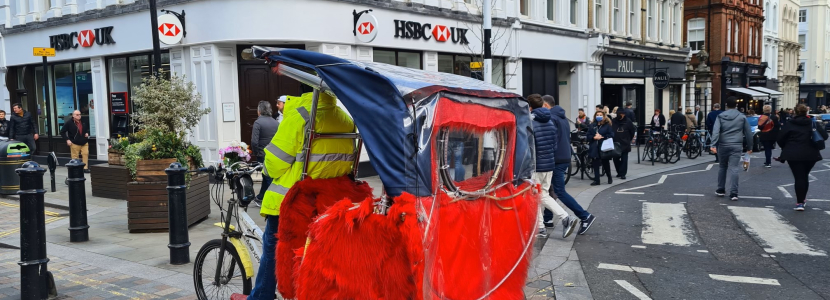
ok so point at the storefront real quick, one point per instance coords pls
(629, 79)
(814, 95)
(748, 83)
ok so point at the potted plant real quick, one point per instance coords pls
(236, 152)
(116, 150)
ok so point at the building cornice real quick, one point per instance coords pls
(683, 54)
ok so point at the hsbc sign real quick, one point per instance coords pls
(440, 33)
(84, 38)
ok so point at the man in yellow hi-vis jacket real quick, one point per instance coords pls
(284, 161)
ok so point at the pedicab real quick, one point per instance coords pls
(457, 215)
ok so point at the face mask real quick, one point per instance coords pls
(599, 118)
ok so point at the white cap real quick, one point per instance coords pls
(283, 99)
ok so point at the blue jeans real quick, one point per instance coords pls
(558, 186)
(265, 286)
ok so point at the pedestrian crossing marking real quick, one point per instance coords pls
(667, 224)
(633, 290)
(743, 279)
(773, 231)
(625, 268)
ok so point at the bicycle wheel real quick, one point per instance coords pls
(233, 279)
(676, 150)
(575, 165)
(694, 148)
(588, 167)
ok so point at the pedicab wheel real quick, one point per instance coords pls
(232, 280)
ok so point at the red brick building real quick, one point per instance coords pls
(731, 32)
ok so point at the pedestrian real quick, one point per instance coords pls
(280, 105)
(630, 112)
(732, 135)
(598, 132)
(798, 150)
(281, 163)
(710, 123)
(624, 135)
(690, 119)
(657, 121)
(562, 160)
(4, 125)
(599, 107)
(699, 117)
(265, 127)
(613, 113)
(582, 121)
(76, 133)
(770, 126)
(545, 135)
(22, 127)
(678, 121)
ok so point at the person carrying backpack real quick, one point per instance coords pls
(770, 125)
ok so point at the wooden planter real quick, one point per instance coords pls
(147, 204)
(152, 170)
(116, 159)
(109, 181)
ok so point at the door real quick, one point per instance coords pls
(258, 83)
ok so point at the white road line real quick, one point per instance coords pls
(643, 200)
(638, 246)
(633, 290)
(743, 279)
(820, 171)
(770, 206)
(755, 197)
(786, 193)
(690, 195)
(773, 231)
(630, 193)
(819, 200)
(703, 251)
(624, 268)
(709, 167)
(816, 208)
(828, 212)
(659, 182)
(667, 224)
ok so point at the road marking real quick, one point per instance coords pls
(659, 182)
(703, 251)
(786, 193)
(667, 224)
(709, 167)
(633, 290)
(770, 206)
(820, 171)
(643, 200)
(755, 197)
(819, 200)
(743, 279)
(638, 246)
(773, 231)
(723, 204)
(816, 208)
(767, 255)
(624, 268)
(690, 195)
(630, 193)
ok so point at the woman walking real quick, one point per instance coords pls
(798, 151)
(657, 121)
(623, 134)
(599, 132)
(770, 126)
(265, 127)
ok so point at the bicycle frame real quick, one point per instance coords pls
(241, 240)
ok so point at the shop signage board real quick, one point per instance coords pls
(439, 33)
(661, 80)
(170, 29)
(119, 103)
(50, 52)
(620, 66)
(84, 38)
(366, 28)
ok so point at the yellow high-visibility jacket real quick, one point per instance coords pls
(283, 156)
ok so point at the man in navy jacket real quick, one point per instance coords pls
(710, 121)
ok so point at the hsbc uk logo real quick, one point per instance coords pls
(84, 38)
(441, 33)
(168, 29)
(365, 28)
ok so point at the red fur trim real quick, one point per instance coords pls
(303, 202)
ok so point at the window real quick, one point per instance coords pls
(598, 23)
(802, 16)
(398, 58)
(632, 17)
(551, 6)
(802, 40)
(728, 35)
(650, 11)
(524, 7)
(615, 17)
(749, 43)
(675, 32)
(574, 11)
(664, 29)
(737, 37)
(766, 15)
(774, 18)
(460, 65)
(696, 33)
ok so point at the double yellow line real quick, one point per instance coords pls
(54, 217)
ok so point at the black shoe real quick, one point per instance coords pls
(733, 197)
(86, 171)
(594, 183)
(610, 181)
(720, 193)
(585, 224)
(618, 176)
(622, 177)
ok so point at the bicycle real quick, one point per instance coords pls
(580, 160)
(233, 256)
(694, 144)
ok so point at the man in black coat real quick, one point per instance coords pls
(4, 124)
(678, 122)
(76, 134)
(22, 127)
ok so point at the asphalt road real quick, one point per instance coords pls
(668, 236)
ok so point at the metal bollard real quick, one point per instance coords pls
(36, 280)
(177, 214)
(78, 227)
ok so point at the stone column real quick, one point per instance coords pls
(20, 13)
(54, 9)
(69, 7)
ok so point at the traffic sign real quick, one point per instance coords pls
(44, 52)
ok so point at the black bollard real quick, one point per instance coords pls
(177, 214)
(78, 227)
(36, 280)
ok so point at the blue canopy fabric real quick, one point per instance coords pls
(379, 98)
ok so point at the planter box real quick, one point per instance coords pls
(152, 170)
(116, 159)
(147, 204)
(109, 181)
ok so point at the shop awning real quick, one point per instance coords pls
(623, 81)
(748, 92)
(764, 90)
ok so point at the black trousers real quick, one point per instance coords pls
(29, 140)
(621, 164)
(606, 165)
(801, 171)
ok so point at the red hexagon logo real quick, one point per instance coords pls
(168, 29)
(365, 28)
(86, 38)
(441, 33)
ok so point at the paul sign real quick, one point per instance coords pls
(85, 38)
(661, 80)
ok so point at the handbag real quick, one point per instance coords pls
(616, 152)
(817, 139)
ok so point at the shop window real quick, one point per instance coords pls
(64, 93)
(41, 99)
(398, 58)
(460, 65)
(696, 33)
(83, 94)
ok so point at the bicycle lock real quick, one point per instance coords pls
(78, 227)
(179, 243)
(36, 280)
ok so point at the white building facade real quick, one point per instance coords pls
(772, 42)
(788, 52)
(539, 46)
(814, 37)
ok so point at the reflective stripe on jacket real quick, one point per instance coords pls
(283, 156)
